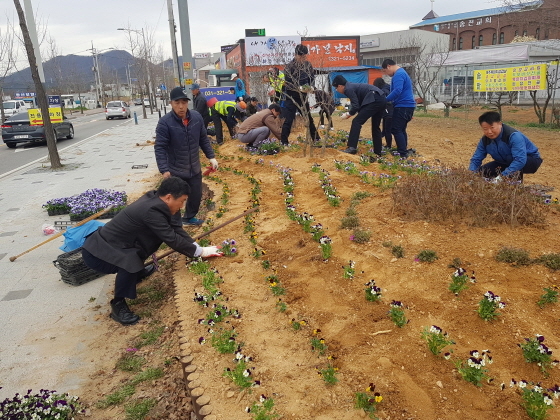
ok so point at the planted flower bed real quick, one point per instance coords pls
(83, 205)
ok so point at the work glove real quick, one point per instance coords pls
(345, 116)
(496, 180)
(214, 163)
(211, 251)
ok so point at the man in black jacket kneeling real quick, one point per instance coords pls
(123, 244)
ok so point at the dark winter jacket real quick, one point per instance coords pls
(297, 74)
(361, 94)
(137, 232)
(201, 106)
(177, 145)
(510, 149)
(325, 101)
(386, 90)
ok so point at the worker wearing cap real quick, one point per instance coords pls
(228, 112)
(179, 135)
(199, 104)
(239, 87)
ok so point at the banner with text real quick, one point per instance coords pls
(332, 52)
(532, 77)
(269, 51)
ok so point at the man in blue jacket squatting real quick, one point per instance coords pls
(513, 153)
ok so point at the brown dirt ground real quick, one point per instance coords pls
(414, 383)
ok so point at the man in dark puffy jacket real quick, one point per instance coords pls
(199, 104)
(179, 135)
(368, 102)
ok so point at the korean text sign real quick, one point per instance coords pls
(332, 52)
(530, 77)
(267, 51)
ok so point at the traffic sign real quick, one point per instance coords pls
(54, 100)
(186, 65)
(35, 117)
(188, 82)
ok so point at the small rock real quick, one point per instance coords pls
(438, 383)
(230, 394)
(394, 260)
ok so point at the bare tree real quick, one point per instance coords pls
(8, 58)
(424, 64)
(551, 85)
(40, 90)
(500, 99)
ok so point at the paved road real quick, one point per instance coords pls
(85, 126)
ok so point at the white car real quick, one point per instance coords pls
(146, 102)
(116, 109)
(13, 107)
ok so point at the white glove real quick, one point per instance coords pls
(497, 180)
(210, 251)
(345, 116)
(214, 163)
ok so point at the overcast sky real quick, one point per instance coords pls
(74, 24)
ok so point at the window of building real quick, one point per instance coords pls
(516, 33)
(501, 37)
(481, 40)
(546, 34)
(538, 33)
(473, 42)
(525, 32)
(461, 43)
(454, 44)
(494, 38)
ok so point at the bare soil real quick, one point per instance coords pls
(364, 345)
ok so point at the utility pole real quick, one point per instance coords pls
(39, 87)
(172, 30)
(186, 42)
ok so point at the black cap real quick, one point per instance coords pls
(301, 49)
(178, 93)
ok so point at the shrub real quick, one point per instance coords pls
(361, 236)
(427, 255)
(551, 261)
(457, 194)
(515, 256)
(350, 222)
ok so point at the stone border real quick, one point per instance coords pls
(193, 385)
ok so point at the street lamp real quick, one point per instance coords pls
(147, 64)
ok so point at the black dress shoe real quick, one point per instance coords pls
(120, 312)
(147, 272)
(351, 150)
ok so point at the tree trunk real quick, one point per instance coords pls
(40, 90)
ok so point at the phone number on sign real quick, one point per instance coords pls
(344, 58)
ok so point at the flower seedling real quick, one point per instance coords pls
(275, 286)
(550, 296)
(534, 350)
(318, 345)
(297, 325)
(329, 374)
(224, 342)
(281, 305)
(257, 253)
(240, 375)
(373, 293)
(265, 264)
(368, 401)
(396, 313)
(349, 270)
(460, 281)
(488, 305)
(317, 231)
(427, 255)
(217, 314)
(536, 400)
(436, 339)
(474, 368)
(228, 247)
(44, 405)
(263, 410)
(326, 248)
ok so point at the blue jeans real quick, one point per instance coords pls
(401, 117)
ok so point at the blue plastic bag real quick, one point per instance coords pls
(75, 237)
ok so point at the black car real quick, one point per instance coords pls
(17, 129)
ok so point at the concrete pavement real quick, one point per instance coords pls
(47, 324)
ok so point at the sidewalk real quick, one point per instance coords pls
(47, 324)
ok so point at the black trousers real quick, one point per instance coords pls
(125, 282)
(325, 114)
(289, 113)
(375, 111)
(387, 123)
(195, 197)
(230, 122)
(493, 169)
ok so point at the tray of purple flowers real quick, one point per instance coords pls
(73, 269)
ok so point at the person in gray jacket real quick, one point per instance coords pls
(200, 104)
(368, 102)
(136, 232)
(179, 136)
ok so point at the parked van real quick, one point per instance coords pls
(13, 107)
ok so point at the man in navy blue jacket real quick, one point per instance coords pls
(179, 135)
(513, 153)
(367, 101)
(404, 104)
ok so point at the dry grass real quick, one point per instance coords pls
(457, 194)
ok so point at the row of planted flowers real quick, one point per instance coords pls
(85, 204)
